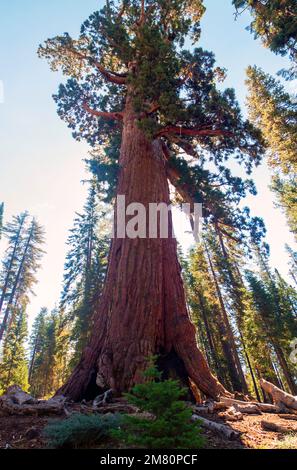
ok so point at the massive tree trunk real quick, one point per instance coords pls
(143, 309)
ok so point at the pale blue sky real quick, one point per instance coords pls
(41, 165)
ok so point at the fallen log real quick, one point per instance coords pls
(117, 408)
(265, 407)
(221, 429)
(30, 410)
(279, 396)
(270, 426)
(242, 406)
(288, 416)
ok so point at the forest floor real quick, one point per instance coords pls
(26, 432)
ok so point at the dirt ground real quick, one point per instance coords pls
(252, 436)
(25, 432)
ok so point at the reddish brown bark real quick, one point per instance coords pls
(143, 309)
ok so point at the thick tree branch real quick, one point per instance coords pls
(104, 114)
(184, 145)
(113, 77)
(153, 108)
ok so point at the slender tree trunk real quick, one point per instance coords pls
(15, 285)
(240, 307)
(282, 360)
(32, 362)
(250, 368)
(210, 339)
(284, 365)
(142, 310)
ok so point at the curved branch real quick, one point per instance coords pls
(113, 77)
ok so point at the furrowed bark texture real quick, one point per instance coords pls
(143, 309)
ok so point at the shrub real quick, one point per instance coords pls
(80, 431)
(168, 424)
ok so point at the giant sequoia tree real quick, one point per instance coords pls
(136, 95)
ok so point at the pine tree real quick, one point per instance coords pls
(275, 22)
(275, 321)
(37, 343)
(286, 192)
(49, 353)
(171, 427)
(134, 89)
(230, 259)
(206, 314)
(258, 346)
(85, 269)
(240, 384)
(20, 265)
(273, 110)
(14, 363)
(14, 233)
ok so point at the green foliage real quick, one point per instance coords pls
(14, 364)
(84, 271)
(136, 50)
(275, 22)
(273, 323)
(205, 313)
(286, 191)
(21, 261)
(49, 353)
(169, 425)
(81, 431)
(273, 110)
